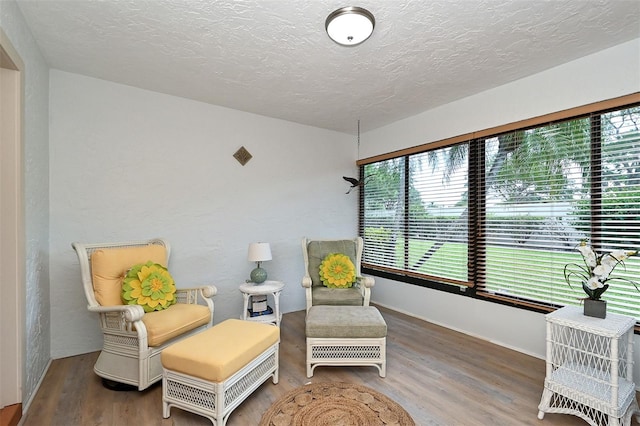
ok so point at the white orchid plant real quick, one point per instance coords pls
(597, 270)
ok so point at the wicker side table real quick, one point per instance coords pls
(273, 288)
(589, 368)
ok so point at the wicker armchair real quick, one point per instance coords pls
(133, 339)
(314, 251)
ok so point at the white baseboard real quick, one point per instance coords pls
(411, 314)
(27, 404)
(429, 320)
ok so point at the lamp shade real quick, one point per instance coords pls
(350, 26)
(259, 252)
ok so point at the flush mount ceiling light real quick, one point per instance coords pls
(350, 25)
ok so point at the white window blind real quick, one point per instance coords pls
(617, 210)
(438, 215)
(550, 187)
(415, 215)
(382, 218)
(534, 181)
(503, 213)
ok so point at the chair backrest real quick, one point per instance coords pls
(86, 251)
(314, 251)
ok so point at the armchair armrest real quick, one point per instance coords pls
(306, 281)
(366, 281)
(131, 313)
(205, 291)
(121, 319)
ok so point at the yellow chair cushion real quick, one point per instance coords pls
(175, 320)
(217, 353)
(109, 266)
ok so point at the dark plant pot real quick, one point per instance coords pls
(595, 308)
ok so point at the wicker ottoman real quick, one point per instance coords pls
(346, 335)
(212, 372)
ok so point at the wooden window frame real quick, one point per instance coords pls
(477, 191)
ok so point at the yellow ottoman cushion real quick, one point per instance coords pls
(175, 320)
(217, 353)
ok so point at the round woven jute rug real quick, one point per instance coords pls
(335, 404)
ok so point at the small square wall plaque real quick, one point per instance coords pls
(242, 155)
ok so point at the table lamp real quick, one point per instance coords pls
(259, 252)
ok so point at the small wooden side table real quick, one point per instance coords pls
(267, 288)
(590, 368)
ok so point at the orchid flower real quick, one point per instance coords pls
(597, 269)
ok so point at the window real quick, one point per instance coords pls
(501, 214)
(415, 214)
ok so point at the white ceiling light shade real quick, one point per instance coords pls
(350, 25)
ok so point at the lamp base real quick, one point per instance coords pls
(258, 275)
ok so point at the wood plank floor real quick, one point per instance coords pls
(441, 377)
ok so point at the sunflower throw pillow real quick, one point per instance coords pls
(149, 285)
(337, 271)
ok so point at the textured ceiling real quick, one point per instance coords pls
(273, 57)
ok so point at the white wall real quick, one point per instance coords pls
(36, 195)
(608, 74)
(132, 164)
